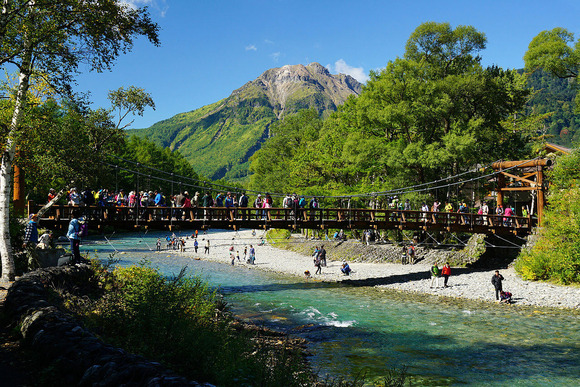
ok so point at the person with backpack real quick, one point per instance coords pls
(243, 204)
(258, 205)
(322, 255)
(313, 206)
(302, 206)
(73, 234)
(229, 204)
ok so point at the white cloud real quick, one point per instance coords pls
(251, 47)
(275, 56)
(358, 73)
(158, 5)
(136, 3)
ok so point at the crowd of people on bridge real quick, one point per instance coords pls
(232, 205)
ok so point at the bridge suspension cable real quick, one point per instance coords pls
(397, 191)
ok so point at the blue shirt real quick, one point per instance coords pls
(31, 233)
(73, 229)
(158, 199)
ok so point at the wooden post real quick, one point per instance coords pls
(18, 194)
(500, 185)
(540, 190)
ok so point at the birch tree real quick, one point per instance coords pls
(53, 38)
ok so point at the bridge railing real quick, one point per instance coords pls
(308, 217)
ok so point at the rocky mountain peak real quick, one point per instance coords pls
(284, 83)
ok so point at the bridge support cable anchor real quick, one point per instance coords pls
(510, 242)
(430, 236)
(459, 240)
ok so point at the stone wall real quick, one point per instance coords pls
(63, 344)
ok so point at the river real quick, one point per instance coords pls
(364, 330)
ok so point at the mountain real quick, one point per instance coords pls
(218, 139)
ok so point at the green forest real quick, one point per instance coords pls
(435, 112)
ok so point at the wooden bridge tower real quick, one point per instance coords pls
(532, 180)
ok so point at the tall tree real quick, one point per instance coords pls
(52, 38)
(556, 52)
(435, 112)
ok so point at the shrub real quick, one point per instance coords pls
(556, 255)
(183, 324)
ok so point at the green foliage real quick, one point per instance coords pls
(216, 138)
(436, 112)
(148, 153)
(556, 255)
(555, 52)
(183, 324)
(132, 100)
(65, 144)
(551, 51)
(284, 159)
(50, 33)
(553, 98)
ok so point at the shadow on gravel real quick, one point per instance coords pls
(402, 278)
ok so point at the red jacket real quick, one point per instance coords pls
(446, 270)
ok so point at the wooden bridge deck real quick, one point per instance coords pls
(163, 218)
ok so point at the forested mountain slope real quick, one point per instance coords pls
(555, 95)
(218, 139)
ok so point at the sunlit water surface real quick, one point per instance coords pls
(363, 330)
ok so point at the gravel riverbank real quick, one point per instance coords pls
(463, 283)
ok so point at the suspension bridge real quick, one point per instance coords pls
(172, 218)
(524, 175)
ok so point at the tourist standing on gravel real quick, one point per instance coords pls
(206, 251)
(252, 255)
(318, 264)
(322, 256)
(496, 281)
(446, 272)
(409, 254)
(435, 274)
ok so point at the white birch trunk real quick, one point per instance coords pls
(6, 253)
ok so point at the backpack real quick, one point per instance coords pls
(302, 202)
(84, 230)
(244, 201)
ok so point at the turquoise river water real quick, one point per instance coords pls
(361, 329)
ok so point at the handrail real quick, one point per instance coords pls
(352, 218)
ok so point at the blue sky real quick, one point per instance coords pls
(211, 47)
